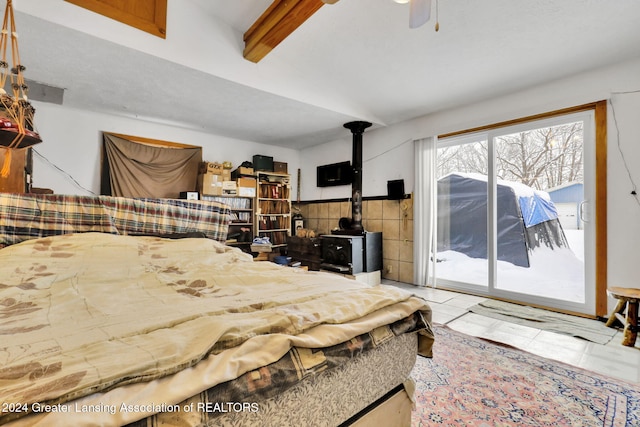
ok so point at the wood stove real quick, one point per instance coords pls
(351, 249)
(352, 254)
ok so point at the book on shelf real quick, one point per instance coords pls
(276, 237)
(273, 190)
(232, 202)
(243, 217)
(273, 222)
(264, 223)
(269, 207)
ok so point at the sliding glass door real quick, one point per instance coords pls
(514, 213)
(462, 212)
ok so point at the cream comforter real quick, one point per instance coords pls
(87, 313)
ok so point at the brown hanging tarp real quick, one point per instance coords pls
(141, 170)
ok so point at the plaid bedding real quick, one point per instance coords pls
(31, 216)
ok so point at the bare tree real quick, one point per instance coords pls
(468, 158)
(541, 158)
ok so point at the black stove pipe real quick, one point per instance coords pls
(357, 129)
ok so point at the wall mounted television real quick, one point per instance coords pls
(335, 174)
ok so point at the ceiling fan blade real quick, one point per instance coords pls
(419, 12)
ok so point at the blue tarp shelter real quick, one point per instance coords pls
(526, 218)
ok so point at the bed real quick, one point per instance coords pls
(133, 312)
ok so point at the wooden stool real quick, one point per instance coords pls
(627, 298)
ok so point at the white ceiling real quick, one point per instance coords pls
(354, 60)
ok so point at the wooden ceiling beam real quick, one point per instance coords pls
(276, 24)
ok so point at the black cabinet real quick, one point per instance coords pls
(308, 251)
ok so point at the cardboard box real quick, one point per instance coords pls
(226, 175)
(229, 185)
(244, 171)
(246, 191)
(230, 192)
(210, 184)
(211, 167)
(247, 182)
(247, 187)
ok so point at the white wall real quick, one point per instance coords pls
(623, 216)
(387, 154)
(623, 208)
(72, 141)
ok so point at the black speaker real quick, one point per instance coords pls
(395, 189)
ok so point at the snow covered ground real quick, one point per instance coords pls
(554, 273)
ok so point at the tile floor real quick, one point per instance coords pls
(612, 359)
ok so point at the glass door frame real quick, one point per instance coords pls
(595, 190)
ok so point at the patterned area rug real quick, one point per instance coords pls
(475, 382)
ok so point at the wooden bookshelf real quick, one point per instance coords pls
(273, 207)
(241, 226)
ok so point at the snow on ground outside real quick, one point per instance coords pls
(554, 273)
